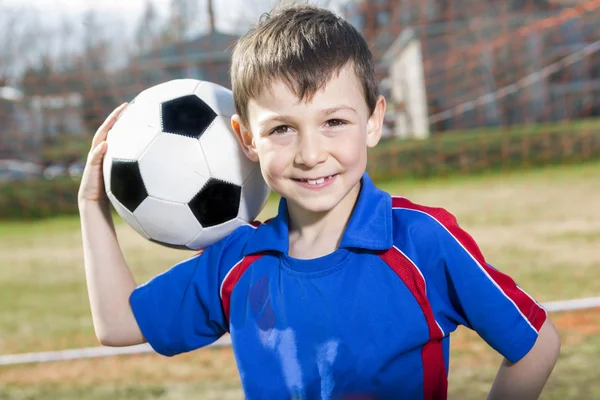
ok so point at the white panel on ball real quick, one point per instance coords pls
(255, 193)
(141, 111)
(127, 215)
(174, 168)
(217, 97)
(169, 90)
(224, 155)
(128, 141)
(167, 222)
(214, 233)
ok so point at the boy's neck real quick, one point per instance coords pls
(315, 235)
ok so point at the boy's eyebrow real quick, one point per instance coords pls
(331, 110)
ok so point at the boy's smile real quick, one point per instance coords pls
(316, 183)
(313, 151)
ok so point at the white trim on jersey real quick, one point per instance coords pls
(226, 276)
(476, 262)
(424, 282)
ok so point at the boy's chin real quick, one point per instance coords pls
(318, 205)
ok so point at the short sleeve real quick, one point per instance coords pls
(483, 298)
(180, 310)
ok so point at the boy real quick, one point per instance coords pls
(348, 292)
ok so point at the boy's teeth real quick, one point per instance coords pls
(316, 181)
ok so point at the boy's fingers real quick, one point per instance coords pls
(102, 131)
(97, 153)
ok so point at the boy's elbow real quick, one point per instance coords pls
(111, 339)
(119, 336)
(105, 338)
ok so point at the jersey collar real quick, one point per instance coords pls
(370, 225)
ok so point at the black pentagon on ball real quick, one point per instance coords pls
(126, 183)
(186, 116)
(217, 202)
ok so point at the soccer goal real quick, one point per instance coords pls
(405, 87)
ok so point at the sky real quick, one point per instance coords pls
(117, 18)
(131, 9)
(123, 15)
(78, 6)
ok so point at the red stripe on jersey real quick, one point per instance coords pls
(257, 223)
(232, 278)
(526, 305)
(435, 380)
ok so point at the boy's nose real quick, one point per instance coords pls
(311, 151)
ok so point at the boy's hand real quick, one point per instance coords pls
(91, 188)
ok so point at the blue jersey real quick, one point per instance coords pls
(370, 321)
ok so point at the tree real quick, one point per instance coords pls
(37, 78)
(211, 15)
(98, 90)
(147, 32)
(182, 15)
(20, 32)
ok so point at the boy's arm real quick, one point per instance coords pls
(526, 378)
(491, 303)
(109, 280)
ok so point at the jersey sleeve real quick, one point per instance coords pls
(483, 298)
(180, 310)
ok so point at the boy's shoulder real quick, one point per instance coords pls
(428, 227)
(406, 210)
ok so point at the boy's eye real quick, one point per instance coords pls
(335, 122)
(281, 129)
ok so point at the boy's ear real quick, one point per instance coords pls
(244, 137)
(375, 123)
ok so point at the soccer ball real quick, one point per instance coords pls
(174, 170)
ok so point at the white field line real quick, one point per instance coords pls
(93, 352)
(89, 352)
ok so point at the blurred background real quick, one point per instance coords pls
(493, 114)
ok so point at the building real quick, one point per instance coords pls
(59, 114)
(29, 121)
(20, 134)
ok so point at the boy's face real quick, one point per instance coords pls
(312, 153)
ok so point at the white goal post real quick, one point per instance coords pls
(405, 87)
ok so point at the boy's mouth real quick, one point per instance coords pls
(315, 181)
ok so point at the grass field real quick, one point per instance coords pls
(540, 226)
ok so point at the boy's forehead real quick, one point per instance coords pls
(342, 86)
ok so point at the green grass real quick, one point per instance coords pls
(14, 229)
(541, 226)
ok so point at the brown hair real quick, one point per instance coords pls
(304, 46)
